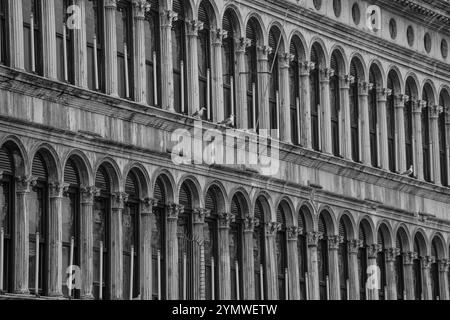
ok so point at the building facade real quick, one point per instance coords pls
(92, 91)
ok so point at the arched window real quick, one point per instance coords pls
(204, 58)
(236, 245)
(158, 242)
(354, 112)
(302, 253)
(71, 221)
(343, 259)
(184, 233)
(124, 34)
(335, 105)
(443, 102)
(259, 253)
(322, 260)
(373, 116)
(362, 263)
(228, 62)
(390, 114)
(210, 233)
(294, 91)
(94, 45)
(399, 278)
(101, 228)
(153, 54)
(381, 263)
(179, 57)
(274, 84)
(38, 226)
(434, 270)
(315, 99)
(408, 115)
(32, 28)
(281, 255)
(4, 31)
(417, 270)
(426, 135)
(64, 53)
(130, 229)
(251, 69)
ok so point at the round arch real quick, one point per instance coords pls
(51, 159)
(254, 20)
(194, 187)
(113, 172)
(349, 223)
(297, 41)
(235, 18)
(83, 166)
(368, 227)
(20, 157)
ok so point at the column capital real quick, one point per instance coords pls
(88, 194)
(147, 205)
(364, 88)
(409, 257)
(435, 111)
(373, 250)
(400, 100)
(110, 4)
(242, 44)
(292, 232)
(193, 27)
(200, 214)
(416, 106)
(118, 200)
(422, 104)
(392, 253)
(174, 210)
(354, 245)
(334, 241)
(250, 223)
(443, 265)
(383, 93)
(427, 261)
(326, 73)
(217, 36)
(306, 67)
(58, 189)
(272, 228)
(285, 59)
(225, 218)
(264, 50)
(167, 17)
(312, 238)
(23, 184)
(346, 79)
(141, 7)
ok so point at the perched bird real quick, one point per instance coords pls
(199, 114)
(229, 122)
(409, 172)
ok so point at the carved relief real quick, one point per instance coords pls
(292, 232)
(312, 238)
(225, 219)
(174, 210)
(23, 184)
(250, 223)
(200, 214)
(272, 228)
(119, 199)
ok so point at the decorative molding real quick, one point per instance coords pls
(250, 223)
(392, 253)
(24, 184)
(110, 4)
(141, 7)
(147, 205)
(167, 17)
(373, 250)
(427, 261)
(242, 44)
(193, 27)
(119, 199)
(200, 214)
(443, 265)
(225, 218)
(88, 194)
(58, 189)
(285, 59)
(312, 238)
(265, 50)
(354, 245)
(272, 228)
(334, 241)
(435, 111)
(326, 73)
(292, 232)
(306, 67)
(174, 210)
(218, 35)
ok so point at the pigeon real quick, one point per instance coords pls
(409, 172)
(199, 114)
(229, 122)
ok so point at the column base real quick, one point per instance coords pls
(87, 297)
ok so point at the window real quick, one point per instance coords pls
(259, 253)
(274, 84)
(124, 49)
(315, 99)
(443, 141)
(393, 29)
(210, 234)
(354, 113)
(4, 32)
(408, 115)
(64, 51)
(425, 117)
(381, 263)
(444, 48)
(302, 253)
(335, 106)
(399, 278)
(252, 75)
(153, 55)
(281, 255)
(390, 114)
(356, 13)
(179, 58)
(343, 260)
(362, 263)
(410, 35)
(31, 14)
(427, 42)
(417, 271)
(236, 245)
(185, 245)
(322, 260)
(294, 91)
(94, 45)
(373, 116)
(434, 271)
(158, 243)
(228, 61)
(337, 8)
(204, 60)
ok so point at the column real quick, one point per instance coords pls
(400, 100)
(372, 252)
(241, 83)
(312, 239)
(447, 140)
(87, 241)
(198, 266)
(382, 135)
(364, 140)
(443, 280)
(111, 48)
(333, 267)
(224, 256)
(346, 140)
(140, 7)
(353, 272)
(166, 17)
(218, 110)
(408, 277)
(80, 50)
(145, 248)
(305, 103)
(417, 138)
(22, 246)
(173, 211)
(263, 89)
(426, 278)
(55, 240)
(15, 22)
(271, 265)
(193, 90)
(48, 38)
(434, 139)
(391, 254)
(247, 261)
(325, 110)
(116, 245)
(285, 103)
(293, 267)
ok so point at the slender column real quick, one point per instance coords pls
(166, 17)
(408, 259)
(443, 280)
(271, 266)
(434, 134)
(333, 267)
(293, 267)
(263, 93)
(400, 100)
(312, 239)
(247, 261)
(80, 49)
(391, 254)
(111, 48)
(172, 251)
(325, 111)
(218, 110)
(426, 278)
(193, 86)
(49, 38)
(417, 137)
(305, 103)
(140, 7)
(241, 83)
(364, 88)
(383, 151)
(145, 248)
(55, 240)
(224, 256)
(15, 20)
(87, 241)
(346, 140)
(353, 248)
(116, 245)
(285, 104)
(198, 265)
(372, 261)
(447, 142)
(21, 226)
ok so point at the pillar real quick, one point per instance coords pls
(80, 50)
(443, 280)
(382, 135)
(346, 141)
(198, 265)
(364, 140)
(400, 145)
(116, 246)
(285, 103)
(48, 39)
(248, 261)
(305, 103)
(145, 248)
(15, 22)
(166, 17)
(263, 89)
(271, 265)
(55, 240)
(293, 267)
(391, 254)
(87, 241)
(193, 89)
(224, 256)
(111, 80)
(417, 138)
(241, 84)
(325, 125)
(447, 140)
(217, 102)
(372, 291)
(333, 267)
(140, 7)
(312, 239)
(434, 139)
(408, 259)
(353, 272)
(173, 211)
(426, 278)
